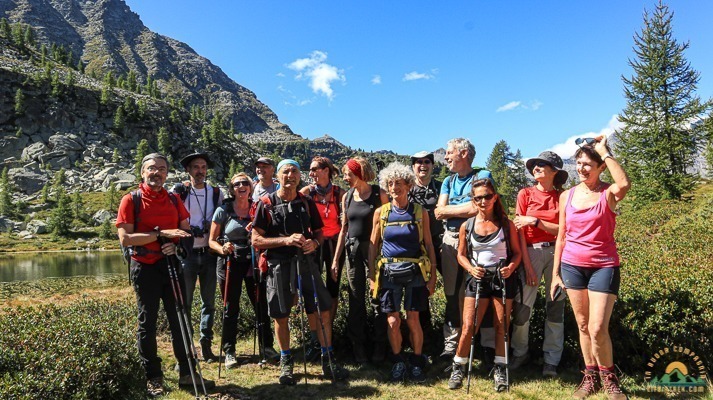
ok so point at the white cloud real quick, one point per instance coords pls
(320, 74)
(280, 74)
(414, 76)
(509, 106)
(535, 105)
(567, 149)
(376, 80)
(289, 98)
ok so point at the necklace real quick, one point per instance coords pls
(587, 190)
(399, 210)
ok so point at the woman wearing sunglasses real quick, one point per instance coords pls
(492, 237)
(586, 261)
(328, 199)
(537, 219)
(230, 238)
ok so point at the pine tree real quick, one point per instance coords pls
(660, 138)
(508, 172)
(106, 231)
(115, 156)
(29, 36)
(131, 81)
(19, 102)
(104, 100)
(61, 217)
(78, 207)
(69, 79)
(111, 197)
(6, 205)
(5, 30)
(164, 142)
(119, 120)
(58, 182)
(18, 36)
(109, 80)
(45, 194)
(142, 149)
(43, 52)
(56, 85)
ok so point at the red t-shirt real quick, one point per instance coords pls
(543, 205)
(156, 210)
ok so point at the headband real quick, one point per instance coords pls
(355, 167)
(287, 161)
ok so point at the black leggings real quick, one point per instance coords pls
(239, 272)
(327, 254)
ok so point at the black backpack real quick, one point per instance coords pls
(182, 190)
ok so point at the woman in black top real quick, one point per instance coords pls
(230, 238)
(359, 204)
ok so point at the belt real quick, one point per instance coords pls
(200, 250)
(541, 245)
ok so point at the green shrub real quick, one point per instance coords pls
(86, 350)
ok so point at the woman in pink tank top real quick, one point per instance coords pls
(586, 262)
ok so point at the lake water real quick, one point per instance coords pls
(34, 266)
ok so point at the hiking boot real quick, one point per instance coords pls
(457, 374)
(230, 360)
(447, 356)
(186, 382)
(154, 387)
(287, 364)
(271, 355)
(312, 351)
(589, 385)
(610, 383)
(518, 361)
(416, 374)
(398, 372)
(549, 370)
(340, 373)
(500, 379)
(359, 354)
(379, 353)
(208, 355)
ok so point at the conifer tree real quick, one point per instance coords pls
(131, 81)
(164, 142)
(45, 194)
(5, 30)
(56, 85)
(115, 156)
(119, 120)
(508, 172)
(28, 36)
(660, 138)
(78, 207)
(142, 149)
(58, 182)
(19, 102)
(18, 36)
(69, 79)
(61, 217)
(106, 231)
(111, 197)
(6, 205)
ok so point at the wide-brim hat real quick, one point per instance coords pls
(422, 154)
(185, 161)
(264, 160)
(554, 161)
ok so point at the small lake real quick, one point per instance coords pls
(35, 266)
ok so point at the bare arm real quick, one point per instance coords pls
(215, 229)
(374, 243)
(445, 211)
(516, 252)
(559, 247)
(261, 242)
(127, 237)
(621, 185)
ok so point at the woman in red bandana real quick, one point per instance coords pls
(358, 205)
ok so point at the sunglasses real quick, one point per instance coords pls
(542, 164)
(425, 161)
(487, 197)
(241, 183)
(582, 141)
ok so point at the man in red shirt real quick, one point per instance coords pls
(158, 216)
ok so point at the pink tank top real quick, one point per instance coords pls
(589, 235)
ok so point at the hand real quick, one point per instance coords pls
(507, 270)
(296, 239)
(530, 276)
(556, 282)
(431, 286)
(477, 271)
(227, 248)
(371, 284)
(522, 221)
(309, 246)
(438, 212)
(174, 233)
(168, 248)
(601, 145)
(335, 271)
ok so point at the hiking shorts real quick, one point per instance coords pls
(603, 279)
(490, 286)
(414, 295)
(282, 284)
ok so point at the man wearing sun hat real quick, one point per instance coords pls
(537, 216)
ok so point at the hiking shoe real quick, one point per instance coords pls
(457, 374)
(549, 370)
(154, 387)
(230, 360)
(416, 374)
(271, 355)
(312, 351)
(447, 357)
(519, 361)
(500, 379)
(340, 373)
(208, 355)
(287, 364)
(610, 383)
(398, 372)
(589, 385)
(186, 382)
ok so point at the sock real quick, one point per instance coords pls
(324, 350)
(460, 360)
(417, 360)
(606, 369)
(285, 353)
(500, 360)
(591, 368)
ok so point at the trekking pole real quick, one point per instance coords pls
(506, 318)
(225, 309)
(258, 324)
(321, 324)
(182, 315)
(472, 338)
(302, 317)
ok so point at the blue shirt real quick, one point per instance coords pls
(459, 192)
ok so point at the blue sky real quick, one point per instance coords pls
(409, 75)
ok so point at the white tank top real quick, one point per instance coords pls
(488, 254)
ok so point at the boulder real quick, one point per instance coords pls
(123, 185)
(37, 227)
(28, 181)
(100, 216)
(67, 142)
(34, 151)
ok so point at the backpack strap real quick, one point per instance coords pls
(349, 197)
(136, 199)
(216, 197)
(337, 202)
